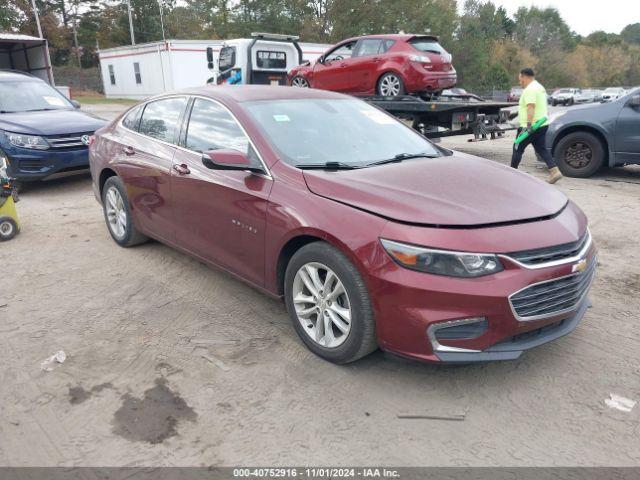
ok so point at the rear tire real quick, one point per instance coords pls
(579, 154)
(117, 214)
(390, 85)
(328, 262)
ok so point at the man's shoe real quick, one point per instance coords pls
(554, 175)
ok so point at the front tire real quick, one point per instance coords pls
(579, 154)
(117, 214)
(300, 82)
(390, 85)
(329, 304)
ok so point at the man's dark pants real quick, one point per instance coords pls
(537, 139)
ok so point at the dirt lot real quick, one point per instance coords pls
(172, 363)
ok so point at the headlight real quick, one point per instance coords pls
(420, 58)
(27, 141)
(442, 262)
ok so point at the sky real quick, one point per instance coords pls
(584, 16)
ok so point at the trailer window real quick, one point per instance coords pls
(271, 59)
(112, 75)
(227, 58)
(160, 118)
(136, 71)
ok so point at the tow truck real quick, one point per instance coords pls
(266, 58)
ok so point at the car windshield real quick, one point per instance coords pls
(30, 96)
(349, 132)
(565, 90)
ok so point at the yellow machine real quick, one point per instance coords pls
(9, 222)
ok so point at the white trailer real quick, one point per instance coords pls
(139, 71)
(26, 54)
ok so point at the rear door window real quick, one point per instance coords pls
(425, 44)
(369, 46)
(132, 119)
(161, 118)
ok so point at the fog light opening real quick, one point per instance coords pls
(463, 329)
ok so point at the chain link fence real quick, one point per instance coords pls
(78, 79)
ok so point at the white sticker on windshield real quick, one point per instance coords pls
(58, 102)
(281, 118)
(378, 117)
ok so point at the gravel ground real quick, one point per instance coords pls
(172, 363)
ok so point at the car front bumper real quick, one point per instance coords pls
(410, 306)
(31, 165)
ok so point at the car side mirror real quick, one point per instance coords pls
(320, 59)
(230, 159)
(210, 54)
(634, 102)
(75, 103)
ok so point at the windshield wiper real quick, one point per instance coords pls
(327, 166)
(399, 158)
(39, 110)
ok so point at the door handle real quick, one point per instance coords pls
(343, 65)
(182, 169)
(376, 59)
(128, 151)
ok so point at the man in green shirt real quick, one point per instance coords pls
(533, 106)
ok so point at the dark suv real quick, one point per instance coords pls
(42, 133)
(586, 138)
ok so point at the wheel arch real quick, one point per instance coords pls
(301, 239)
(105, 174)
(584, 128)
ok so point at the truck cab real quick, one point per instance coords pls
(263, 59)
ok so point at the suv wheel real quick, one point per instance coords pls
(117, 214)
(329, 305)
(579, 154)
(390, 85)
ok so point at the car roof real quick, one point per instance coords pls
(393, 36)
(252, 93)
(16, 76)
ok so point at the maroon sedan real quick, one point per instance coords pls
(374, 236)
(387, 65)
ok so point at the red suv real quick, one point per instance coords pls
(387, 65)
(374, 236)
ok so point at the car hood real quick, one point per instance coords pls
(452, 191)
(51, 122)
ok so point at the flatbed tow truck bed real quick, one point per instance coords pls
(450, 115)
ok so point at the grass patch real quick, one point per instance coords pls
(102, 100)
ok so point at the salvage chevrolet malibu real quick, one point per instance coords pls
(375, 237)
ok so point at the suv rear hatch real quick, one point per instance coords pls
(429, 46)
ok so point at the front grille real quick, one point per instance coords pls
(541, 256)
(69, 141)
(553, 297)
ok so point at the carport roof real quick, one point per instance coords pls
(12, 39)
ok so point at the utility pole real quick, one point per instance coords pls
(161, 20)
(133, 38)
(75, 37)
(35, 12)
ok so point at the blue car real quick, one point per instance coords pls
(42, 133)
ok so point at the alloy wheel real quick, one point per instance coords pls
(300, 82)
(578, 155)
(390, 86)
(116, 212)
(322, 304)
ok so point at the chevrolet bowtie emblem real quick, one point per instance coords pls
(580, 266)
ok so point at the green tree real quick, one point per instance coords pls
(631, 33)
